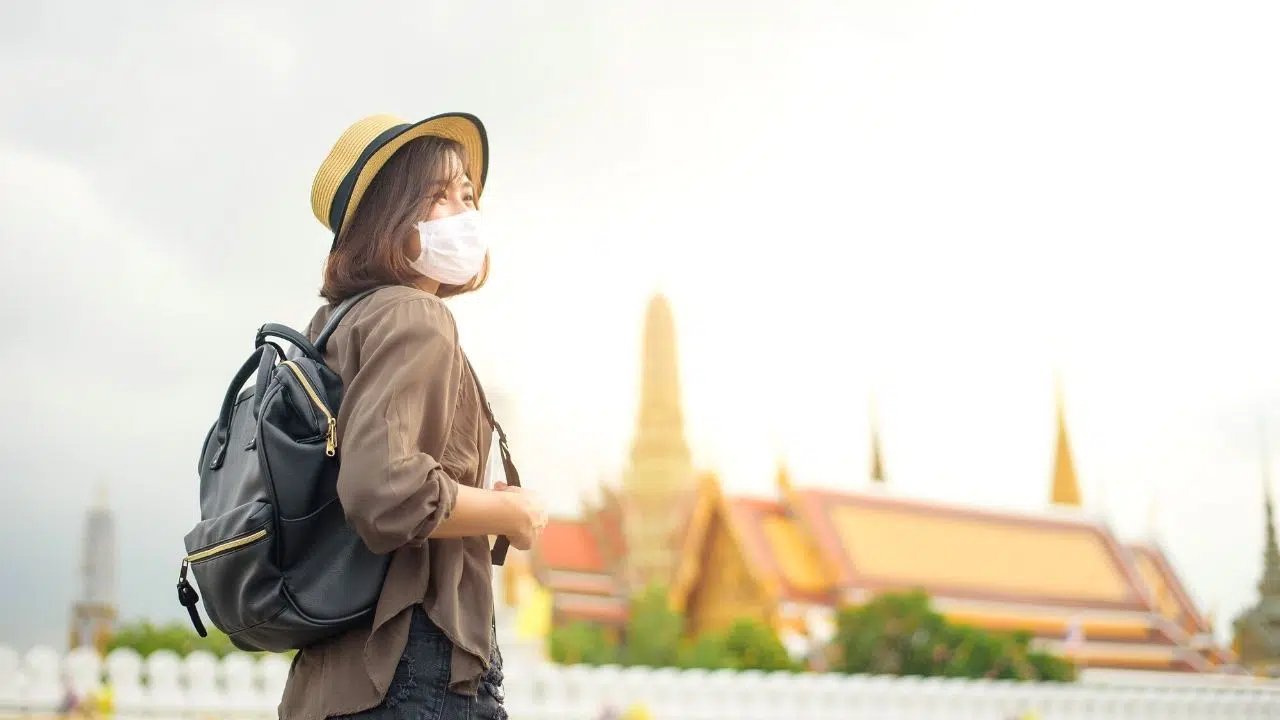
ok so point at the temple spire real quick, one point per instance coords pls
(93, 616)
(1269, 586)
(661, 422)
(877, 459)
(782, 478)
(781, 473)
(659, 478)
(1066, 486)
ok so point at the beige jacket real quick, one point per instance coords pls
(411, 428)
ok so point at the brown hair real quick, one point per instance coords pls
(370, 250)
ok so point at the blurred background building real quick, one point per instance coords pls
(791, 559)
(93, 615)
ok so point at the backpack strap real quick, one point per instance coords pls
(499, 553)
(340, 312)
(285, 332)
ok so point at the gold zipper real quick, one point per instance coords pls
(331, 436)
(227, 546)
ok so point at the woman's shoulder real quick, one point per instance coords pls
(403, 298)
(396, 310)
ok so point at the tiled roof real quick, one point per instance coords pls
(778, 548)
(883, 543)
(1168, 595)
(569, 545)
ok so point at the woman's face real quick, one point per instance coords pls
(457, 197)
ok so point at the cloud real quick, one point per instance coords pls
(938, 202)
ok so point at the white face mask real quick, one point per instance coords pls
(453, 248)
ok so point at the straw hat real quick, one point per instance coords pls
(366, 146)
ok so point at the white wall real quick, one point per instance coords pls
(163, 685)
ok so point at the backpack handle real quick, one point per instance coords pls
(223, 426)
(315, 350)
(263, 359)
(294, 337)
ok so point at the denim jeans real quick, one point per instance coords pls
(420, 688)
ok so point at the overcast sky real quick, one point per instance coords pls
(936, 203)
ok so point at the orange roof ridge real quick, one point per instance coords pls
(1063, 515)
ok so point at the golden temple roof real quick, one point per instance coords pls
(1167, 594)
(779, 548)
(883, 542)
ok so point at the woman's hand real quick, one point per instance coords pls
(529, 517)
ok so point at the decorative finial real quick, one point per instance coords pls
(1066, 486)
(781, 476)
(877, 458)
(783, 479)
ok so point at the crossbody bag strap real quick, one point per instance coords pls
(499, 553)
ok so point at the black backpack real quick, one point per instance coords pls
(273, 554)
(278, 564)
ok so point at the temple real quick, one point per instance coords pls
(93, 615)
(793, 558)
(1257, 630)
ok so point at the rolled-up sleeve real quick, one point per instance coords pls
(395, 415)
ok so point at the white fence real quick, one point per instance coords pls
(166, 686)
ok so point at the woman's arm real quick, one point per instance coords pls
(395, 417)
(481, 512)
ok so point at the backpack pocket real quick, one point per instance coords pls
(232, 558)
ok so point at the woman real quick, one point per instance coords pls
(414, 435)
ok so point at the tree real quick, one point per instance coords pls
(654, 630)
(752, 645)
(705, 652)
(655, 637)
(580, 642)
(146, 638)
(747, 644)
(901, 634)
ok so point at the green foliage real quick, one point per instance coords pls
(654, 630)
(583, 643)
(901, 634)
(655, 638)
(898, 634)
(706, 652)
(146, 638)
(752, 645)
